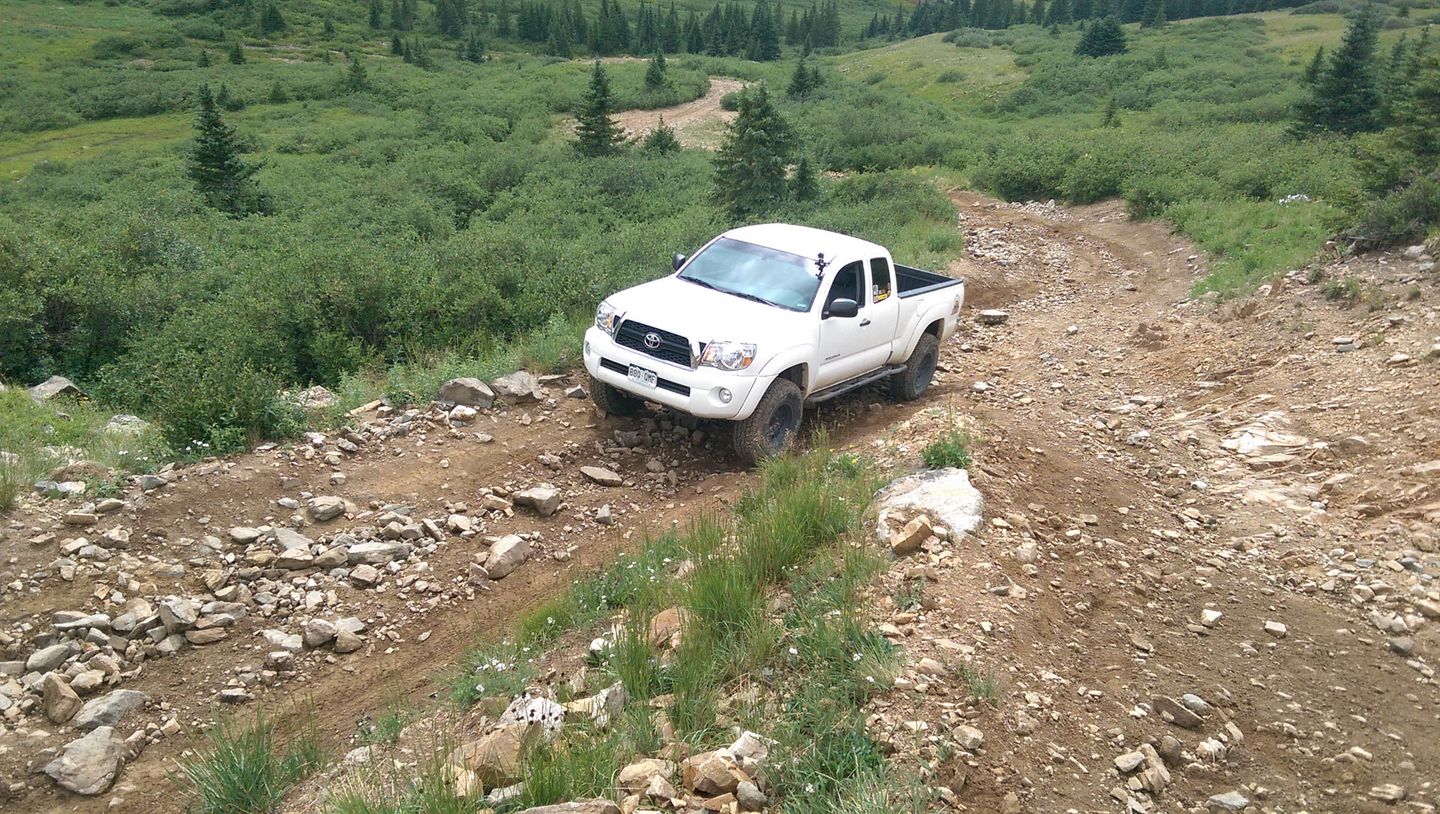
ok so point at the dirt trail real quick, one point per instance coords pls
(1115, 512)
(697, 123)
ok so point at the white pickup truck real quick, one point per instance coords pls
(765, 320)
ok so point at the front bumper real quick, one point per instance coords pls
(697, 392)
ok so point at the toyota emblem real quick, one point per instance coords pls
(652, 340)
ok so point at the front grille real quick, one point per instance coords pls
(663, 384)
(673, 348)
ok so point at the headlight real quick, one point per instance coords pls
(607, 318)
(728, 355)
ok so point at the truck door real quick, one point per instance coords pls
(852, 346)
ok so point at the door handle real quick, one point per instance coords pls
(864, 322)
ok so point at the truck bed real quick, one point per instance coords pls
(912, 282)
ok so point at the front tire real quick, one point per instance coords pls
(771, 429)
(612, 400)
(912, 382)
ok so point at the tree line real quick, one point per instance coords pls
(1389, 105)
(934, 16)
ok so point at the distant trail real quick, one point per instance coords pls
(696, 122)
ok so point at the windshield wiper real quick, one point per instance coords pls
(740, 294)
(754, 298)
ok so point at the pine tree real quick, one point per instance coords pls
(329, 28)
(1112, 114)
(474, 49)
(1313, 68)
(558, 44)
(801, 81)
(661, 140)
(355, 78)
(203, 61)
(502, 19)
(215, 166)
(237, 54)
(803, 184)
(750, 166)
(376, 12)
(597, 133)
(397, 45)
(655, 72)
(271, 20)
(1102, 38)
(1345, 97)
(1152, 14)
(764, 37)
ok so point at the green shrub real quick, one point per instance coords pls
(1404, 215)
(950, 450)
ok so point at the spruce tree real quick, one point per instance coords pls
(376, 12)
(474, 49)
(355, 78)
(329, 28)
(655, 73)
(1313, 68)
(801, 81)
(661, 140)
(597, 133)
(1102, 38)
(278, 94)
(271, 20)
(764, 36)
(214, 163)
(803, 184)
(1345, 97)
(750, 167)
(237, 54)
(1112, 114)
(204, 59)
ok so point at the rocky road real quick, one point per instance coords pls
(1206, 576)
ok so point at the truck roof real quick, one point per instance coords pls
(807, 241)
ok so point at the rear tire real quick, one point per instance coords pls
(612, 400)
(771, 429)
(912, 382)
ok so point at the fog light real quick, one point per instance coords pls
(587, 348)
(724, 395)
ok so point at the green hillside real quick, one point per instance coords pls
(426, 213)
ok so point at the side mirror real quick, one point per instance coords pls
(844, 309)
(680, 261)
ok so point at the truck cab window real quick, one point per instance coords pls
(880, 279)
(849, 284)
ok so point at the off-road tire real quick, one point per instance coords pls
(612, 400)
(771, 429)
(912, 382)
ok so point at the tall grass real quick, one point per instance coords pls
(246, 768)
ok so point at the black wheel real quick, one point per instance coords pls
(612, 400)
(771, 429)
(912, 382)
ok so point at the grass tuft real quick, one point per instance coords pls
(247, 769)
(950, 450)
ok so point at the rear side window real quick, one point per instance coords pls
(880, 278)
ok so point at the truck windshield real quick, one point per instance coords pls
(755, 273)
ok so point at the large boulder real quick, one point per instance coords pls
(60, 701)
(544, 500)
(88, 765)
(54, 386)
(945, 496)
(506, 555)
(325, 507)
(602, 476)
(466, 392)
(48, 658)
(518, 387)
(109, 709)
(494, 759)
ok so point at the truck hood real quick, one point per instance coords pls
(704, 315)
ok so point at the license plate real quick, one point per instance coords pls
(640, 375)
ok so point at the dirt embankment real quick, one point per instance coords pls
(1163, 477)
